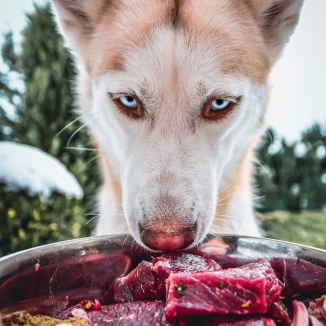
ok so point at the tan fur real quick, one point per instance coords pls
(240, 54)
(241, 181)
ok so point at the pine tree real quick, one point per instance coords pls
(45, 108)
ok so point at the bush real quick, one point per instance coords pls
(28, 221)
(308, 227)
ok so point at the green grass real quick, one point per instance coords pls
(307, 228)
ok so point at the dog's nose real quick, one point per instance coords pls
(167, 235)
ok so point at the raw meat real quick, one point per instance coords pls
(147, 280)
(279, 313)
(139, 284)
(318, 309)
(247, 289)
(225, 321)
(300, 276)
(142, 313)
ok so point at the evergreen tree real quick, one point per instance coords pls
(45, 108)
(289, 176)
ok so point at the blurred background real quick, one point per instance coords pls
(48, 168)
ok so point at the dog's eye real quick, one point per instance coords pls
(129, 102)
(217, 109)
(129, 105)
(219, 104)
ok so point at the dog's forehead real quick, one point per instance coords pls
(227, 27)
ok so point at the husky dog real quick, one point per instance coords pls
(174, 94)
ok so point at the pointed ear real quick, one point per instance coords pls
(76, 20)
(278, 19)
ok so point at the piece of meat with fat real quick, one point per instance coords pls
(251, 288)
(301, 316)
(318, 309)
(147, 280)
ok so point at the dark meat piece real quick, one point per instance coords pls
(279, 313)
(142, 313)
(82, 307)
(251, 288)
(300, 276)
(147, 280)
(139, 284)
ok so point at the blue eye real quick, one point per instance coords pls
(129, 102)
(219, 104)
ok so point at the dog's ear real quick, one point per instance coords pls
(278, 19)
(76, 20)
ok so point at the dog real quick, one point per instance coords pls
(174, 94)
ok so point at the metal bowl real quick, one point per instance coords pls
(49, 278)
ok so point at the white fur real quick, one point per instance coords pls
(174, 159)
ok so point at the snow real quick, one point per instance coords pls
(23, 166)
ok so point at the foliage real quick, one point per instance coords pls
(28, 221)
(292, 176)
(44, 106)
(307, 228)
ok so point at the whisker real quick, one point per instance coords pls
(75, 133)
(93, 218)
(128, 235)
(229, 185)
(82, 149)
(220, 199)
(92, 159)
(229, 216)
(67, 126)
(262, 166)
(80, 128)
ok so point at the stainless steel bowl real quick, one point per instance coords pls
(47, 279)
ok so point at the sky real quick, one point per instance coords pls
(298, 80)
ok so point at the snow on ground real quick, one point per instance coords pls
(23, 166)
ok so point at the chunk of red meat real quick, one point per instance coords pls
(147, 280)
(224, 321)
(279, 313)
(183, 263)
(300, 276)
(247, 289)
(166, 264)
(138, 313)
(139, 284)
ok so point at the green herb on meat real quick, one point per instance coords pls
(180, 289)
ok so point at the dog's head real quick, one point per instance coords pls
(174, 92)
